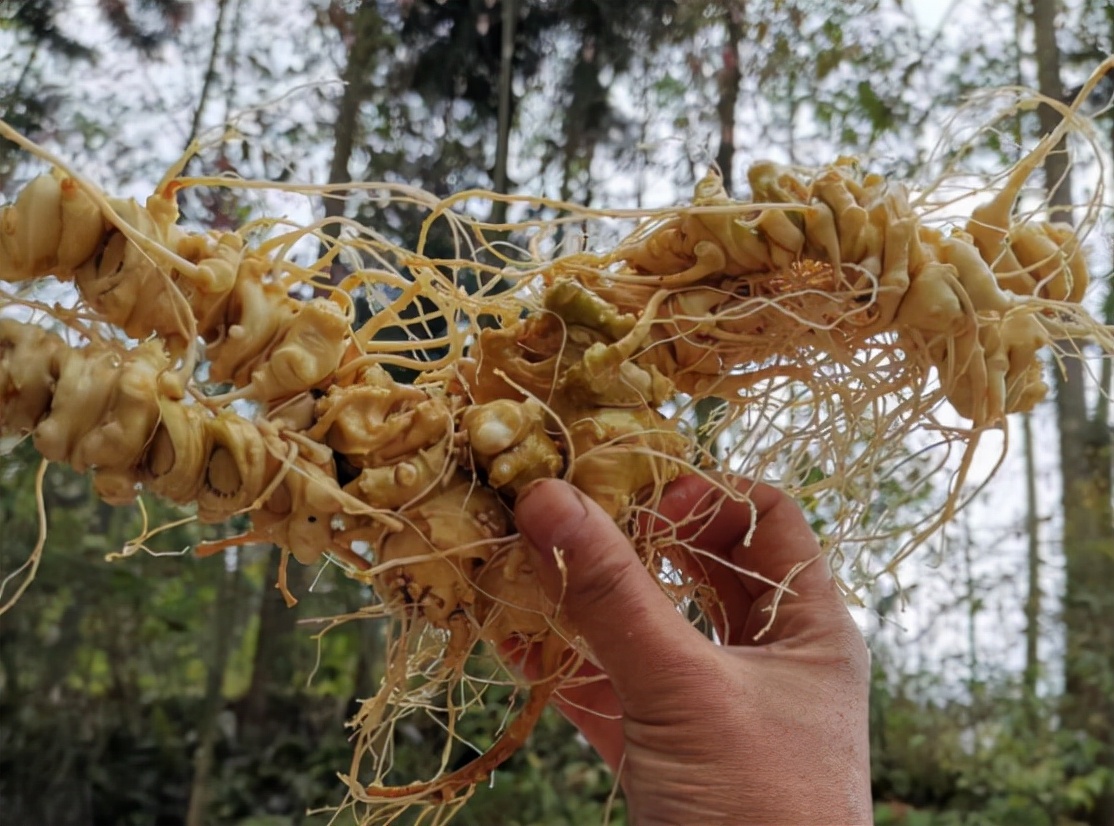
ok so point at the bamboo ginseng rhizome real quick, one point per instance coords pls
(825, 320)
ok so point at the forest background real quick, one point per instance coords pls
(164, 689)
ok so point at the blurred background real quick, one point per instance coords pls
(162, 689)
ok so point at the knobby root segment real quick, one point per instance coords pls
(824, 334)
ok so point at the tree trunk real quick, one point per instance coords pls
(272, 668)
(1033, 597)
(506, 108)
(366, 40)
(224, 611)
(730, 77)
(1085, 472)
(210, 75)
(1088, 597)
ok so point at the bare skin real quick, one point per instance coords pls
(749, 732)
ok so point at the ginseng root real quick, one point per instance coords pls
(825, 298)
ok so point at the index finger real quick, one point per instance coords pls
(754, 526)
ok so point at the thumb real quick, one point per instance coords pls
(590, 569)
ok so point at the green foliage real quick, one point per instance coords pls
(103, 675)
(993, 758)
(556, 780)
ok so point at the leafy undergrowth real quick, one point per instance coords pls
(71, 768)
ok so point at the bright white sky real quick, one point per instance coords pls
(931, 13)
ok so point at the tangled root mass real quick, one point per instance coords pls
(824, 320)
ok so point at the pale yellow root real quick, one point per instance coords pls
(445, 788)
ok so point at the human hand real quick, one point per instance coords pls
(749, 732)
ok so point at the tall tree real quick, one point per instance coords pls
(365, 32)
(1085, 473)
(224, 609)
(500, 173)
(273, 662)
(730, 76)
